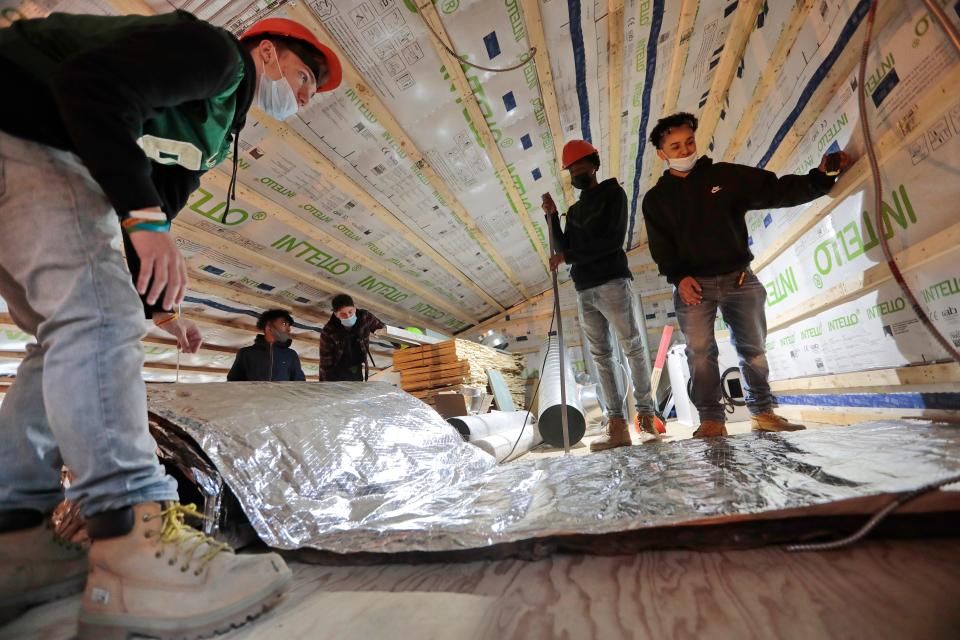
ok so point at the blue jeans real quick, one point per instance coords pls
(79, 397)
(743, 310)
(613, 304)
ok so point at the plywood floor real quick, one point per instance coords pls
(877, 590)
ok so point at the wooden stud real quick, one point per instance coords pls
(222, 182)
(744, 20)
(878, 381)
(373, 104)
(533, 21)
(919, 253)
(769, 75)
(430, 15)
(681, 46)
(615, 72)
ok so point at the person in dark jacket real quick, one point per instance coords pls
(270, 356)
(592, 243)
(106, 124)
(345, 341)
(696, 227)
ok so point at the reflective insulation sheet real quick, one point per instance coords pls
(354, 467)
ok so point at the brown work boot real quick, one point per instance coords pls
(710, 429)
(164, 579)
(36, 565)
(772, 422)
(618, 435)
(648, 427)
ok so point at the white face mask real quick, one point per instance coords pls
(349, 322)
(276, 97)
(683, 165)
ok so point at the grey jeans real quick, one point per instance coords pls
(612, 304)
(79, 397)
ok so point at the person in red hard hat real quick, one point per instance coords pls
(106, 126)
(592, 243)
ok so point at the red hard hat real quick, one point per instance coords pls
(575, 150)
(291, 29)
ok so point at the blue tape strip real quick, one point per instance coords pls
(655, 23)
(580, 67)
(942, 401)
(246, 312)
(859, 13)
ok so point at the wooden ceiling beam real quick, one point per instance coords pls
(431, 17)
(744, 20)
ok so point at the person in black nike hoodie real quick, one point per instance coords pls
(592, 243)
(270, 356)
(697, 231)
(106, 125)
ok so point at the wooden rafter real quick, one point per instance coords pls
(386, 119)
(744, 20)
(681, 47)
(769, 75)
(615, 79)
(533, 21)
(832, 84)
(430, 15)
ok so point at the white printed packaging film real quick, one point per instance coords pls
(509, 444)
(487, 424)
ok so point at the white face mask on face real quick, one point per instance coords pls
(276, 97)
(683, 164)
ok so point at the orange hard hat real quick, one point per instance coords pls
(291, 29)
(575, 150)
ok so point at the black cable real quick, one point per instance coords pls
(553, 319)
(462, 58)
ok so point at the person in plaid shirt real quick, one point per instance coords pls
(345, 341)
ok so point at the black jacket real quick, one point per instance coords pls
(254, 362)
(93, 85)
(696, 225)
(593, 239)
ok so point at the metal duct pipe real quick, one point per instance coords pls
(549, 412)
(488, 424)
(591, 403)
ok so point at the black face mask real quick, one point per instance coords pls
(581, 181)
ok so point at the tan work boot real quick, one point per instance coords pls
(37, 566)
(772, 422)
(164, 579)
(618, 435)
(647, 426)
(710, 429)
